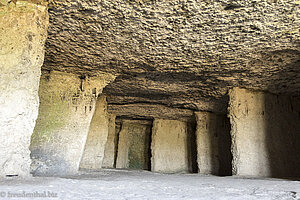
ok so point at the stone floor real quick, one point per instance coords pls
(124, 184)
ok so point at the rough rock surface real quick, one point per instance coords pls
(23, 31)
(182, 53)
(265, 131)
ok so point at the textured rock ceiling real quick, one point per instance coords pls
(178, 53)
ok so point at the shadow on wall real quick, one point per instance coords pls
(116, 141)
(282, 135)
(224, 146)
(147, 143)
(192, 146)
(282, 117)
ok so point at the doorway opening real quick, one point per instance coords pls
(133, 144)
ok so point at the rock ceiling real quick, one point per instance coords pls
(178, 53)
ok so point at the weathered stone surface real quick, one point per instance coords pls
(213, 144)
(265, 132)
(93, 153)
(67, 104)
(134, 144)
(110, 146)
(169, 146)
(182, 53)
(145, 110)
(23, 30)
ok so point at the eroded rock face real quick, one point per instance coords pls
(182, 53)
(23, 30)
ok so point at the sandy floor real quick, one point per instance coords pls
(123, 184)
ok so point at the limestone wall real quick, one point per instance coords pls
(23, 30)
(109, 152)
(67, 105)
(169, 146)
(213, 144)
(93, 154)
(265, 131)
(134, 144)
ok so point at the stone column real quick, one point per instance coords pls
(265, 130)
(169, 146)
(123, 146)
(109, 152)
(213, 143)
(207, 143)
(67, 105)
(93, 154)
(23, 31)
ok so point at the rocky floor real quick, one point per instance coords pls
(123, 184)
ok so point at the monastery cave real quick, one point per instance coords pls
(190, 88)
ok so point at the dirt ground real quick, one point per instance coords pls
(132, 184)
